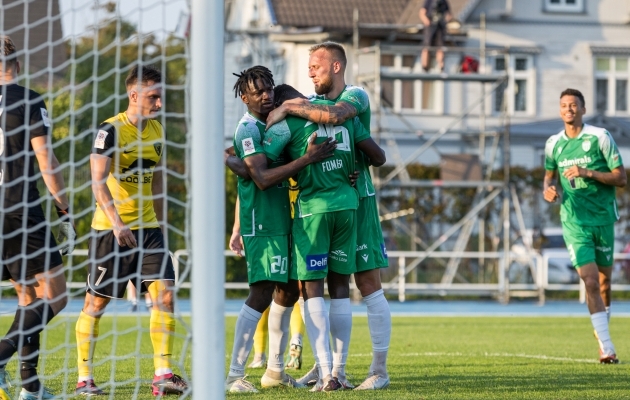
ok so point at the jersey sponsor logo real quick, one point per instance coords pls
(339, 255)
(45, 118)
(316, 262)
(384, 250)
(99, 143)
(603, 249)
(248, 146)
(365, 257)
(138, 167)
(332, 165)
(586, 145)
(362, 247)
(616, 157)
(575, 161)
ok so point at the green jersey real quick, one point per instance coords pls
(358, 98)
(324, 186)
(261, 212)
(585, 202)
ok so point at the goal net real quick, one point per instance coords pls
(77, 54)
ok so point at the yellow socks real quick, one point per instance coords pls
(87, 333)
(297, 325)
(162, 330)
(262, 334)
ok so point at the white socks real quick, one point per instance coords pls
(340, 329)
(380, 324)
(243, 339)
(600, 323)
(279, 320)
(318, 328)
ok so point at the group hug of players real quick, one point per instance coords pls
(335, 231)
(126, 241)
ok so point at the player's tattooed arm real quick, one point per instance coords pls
(318, 113)
(550, 193)
(616, 177)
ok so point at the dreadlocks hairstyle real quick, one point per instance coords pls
(284, 92)
(251, 75)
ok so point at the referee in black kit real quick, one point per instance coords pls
(30, 256)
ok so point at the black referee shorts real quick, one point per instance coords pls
(28, 247)
(112, 266)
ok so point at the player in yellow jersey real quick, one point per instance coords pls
(127, 242)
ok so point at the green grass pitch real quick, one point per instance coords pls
(430, 358)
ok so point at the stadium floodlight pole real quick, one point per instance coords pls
(208, 205)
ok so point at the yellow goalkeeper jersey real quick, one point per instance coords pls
(134, 156)
(294, 191)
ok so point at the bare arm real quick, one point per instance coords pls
(257, 165)
(423, 17)
(157, 189)
(549, 189)
(616, 177)
(236, 241)
(373, 151)
(49, 166)
(99, 168)
(318, 113)
(237, 166)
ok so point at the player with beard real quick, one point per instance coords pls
(264, 225)
(327, 65)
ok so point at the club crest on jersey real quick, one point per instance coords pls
(586, 145)
(45, 118)
(99, 143)
(158, 148)
(248, 146)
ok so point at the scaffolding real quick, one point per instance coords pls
(493, 151)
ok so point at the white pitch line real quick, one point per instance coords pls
(519, 355)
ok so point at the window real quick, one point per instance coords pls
(516, 95)
(611, 85)
(573, 6)
(409, 95)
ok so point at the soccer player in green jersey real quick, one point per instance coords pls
(324, 231)
(265, 227)
(327, 65)
(590, 168)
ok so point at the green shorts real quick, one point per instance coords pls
(323, 241)
(371, 252)
(267, 258)
(587, 244)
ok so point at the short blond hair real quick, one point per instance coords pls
(334, 48)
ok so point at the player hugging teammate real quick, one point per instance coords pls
(332, 219)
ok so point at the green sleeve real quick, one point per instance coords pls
(276, 138)
(247, 140)
(360, 133)
(610, 152)
(357, 97)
